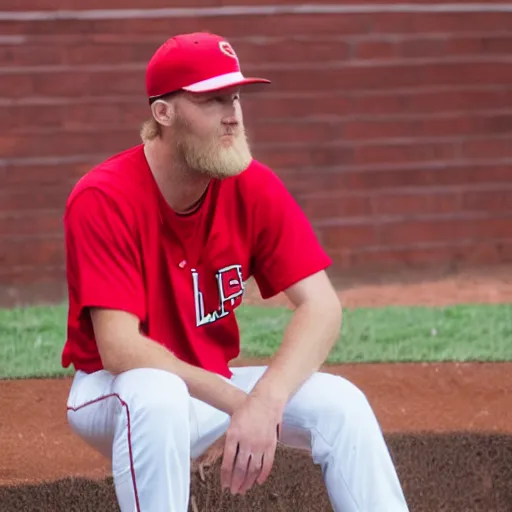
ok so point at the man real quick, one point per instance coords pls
(160, 240)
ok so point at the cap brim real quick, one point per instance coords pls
(226, 81)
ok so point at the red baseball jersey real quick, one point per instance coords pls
(181, 275)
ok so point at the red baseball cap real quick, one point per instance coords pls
(196, 62)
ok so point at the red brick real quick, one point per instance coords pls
(25, 55)
(309, 180)
(17, 116)
(450, 45)
(294, 132)
(442, 46)
(86, 54)
(230, 26)
(376, 49)
(322, 127)
(44, 144)
(34, 251)
(397, 259)
(76, 39)
(441, 202)
(130, 111)
(29, 275)
(446, 175)
(496, 44)
(9, 5)
(383, 128)
(16, 85)
(376, 102)
(414, 231)
(72, 83)
(301, 156)
(408, 257)
(125, 51)
(335, 205)
(32, 285)
(499, 124)
(423, 48)
(294, 2)
(31, 223)
(280, 24)
(259, 108)
(423, 101)
(13, 28)
(76, 82)
(113, 114)
(491, 200)
(347, 179)
(404, 204)
(50, 5)
(33, 198)
(436, 22)
(403, 152)
(487, 147)
(348, 235)
(422, 201)
(289, 49)
(354, 77)
(37, 174)
(443, 229)
(477, 45)
(497, 227)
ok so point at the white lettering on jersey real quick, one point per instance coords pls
(230, 287)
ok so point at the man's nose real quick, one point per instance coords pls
(230, 119)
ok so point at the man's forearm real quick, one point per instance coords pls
(202, 384)
(307, 341)
(210, 388)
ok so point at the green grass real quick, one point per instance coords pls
(31, 338)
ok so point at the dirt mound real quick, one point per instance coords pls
(440, 472)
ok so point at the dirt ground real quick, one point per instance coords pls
(418, 405)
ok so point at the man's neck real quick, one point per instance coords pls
(182, 188)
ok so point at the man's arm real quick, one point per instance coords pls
(122, 347)
(287, 256)
(307, 340)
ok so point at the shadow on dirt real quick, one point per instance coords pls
(455, 473)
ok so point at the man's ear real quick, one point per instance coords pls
(163, 112)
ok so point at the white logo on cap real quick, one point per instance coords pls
(227, 49)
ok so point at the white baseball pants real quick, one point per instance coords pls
(146, 422)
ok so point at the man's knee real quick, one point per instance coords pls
(331, 394)
(351, 399)
(334, 403)
(154, 393)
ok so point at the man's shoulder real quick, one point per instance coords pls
(118, 178)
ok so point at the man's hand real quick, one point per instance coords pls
(251, 441)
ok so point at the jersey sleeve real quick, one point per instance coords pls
(103, 263)
(286, 248)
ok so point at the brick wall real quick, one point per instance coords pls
(391, 125)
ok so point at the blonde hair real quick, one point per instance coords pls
(150, 130)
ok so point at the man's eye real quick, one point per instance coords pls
(224, 99)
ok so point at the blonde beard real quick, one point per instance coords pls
(211, 157)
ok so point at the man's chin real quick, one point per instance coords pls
(222, 174)
(228, 168)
